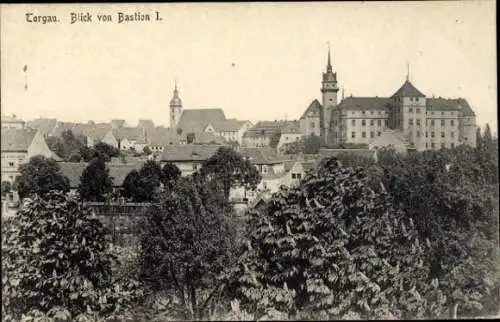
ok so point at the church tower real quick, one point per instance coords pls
(329, 90)
(175, 109)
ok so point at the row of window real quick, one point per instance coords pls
(363, 134)
(372, 122)
(433, 134)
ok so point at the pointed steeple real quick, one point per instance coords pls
(176, 100)
(329, 64)
(407, 72)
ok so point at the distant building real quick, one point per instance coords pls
(18, 146)
(188, 158)
(12, 122)
(145, 124)
(265, 133)
(291, 133)
(116, 124)
(175, 109)
(44, 125)
(423, 122)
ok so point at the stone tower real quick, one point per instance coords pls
(408, 114)
(175, 109)
(329, 90)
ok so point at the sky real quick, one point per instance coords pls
(256, 61)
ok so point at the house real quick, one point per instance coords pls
(130, 138)
(310, 120)
(44, 125)
(12, 122)
(291, 133)
(188, 158)
(117, 171)
(265, 133)
(265, 160)
(160, 137)
(231, 130)
(296, 170)
(18, 146)
(94, 133)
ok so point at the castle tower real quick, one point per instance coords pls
(329, 90)
(408, 113)
(175, 108)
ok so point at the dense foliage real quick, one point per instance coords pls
(186, 242)
(56, 260)
(39, 176)
(95, 181)
(6, 188)
(331, 248)
(73, 148)
(231, 169)
(141, 186)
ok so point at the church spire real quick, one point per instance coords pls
(407, 72)
(329, 64)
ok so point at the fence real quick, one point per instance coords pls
(121, 219)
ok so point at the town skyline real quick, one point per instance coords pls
(102, 72)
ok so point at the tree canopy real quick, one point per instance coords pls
(230, 168)
(95, 181)
(39, 176)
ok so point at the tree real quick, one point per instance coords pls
(312, 144)
(147, 150)
(186, 242)
(190, 138)
(141, 186)
(39, 176)
(95, 181)
(56, 260)
(229, 167)
(332, 248)
(6, 188)
(275, 139)
(479, 138)
(106, 151)
(170, 174)
(129, 186)
(452, 196)
(179, 131)
(67, 145)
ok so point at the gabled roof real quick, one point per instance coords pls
(130, 133)
(117, 172)
(190, 152)
(95, 131)
(292, 128)
(365, 103)
(161, 137)
(454, 104)
(230, 125)
(16, 139)
(207, 115)
(266, 128)
(314, 107)
(260, 156)
(408, 90)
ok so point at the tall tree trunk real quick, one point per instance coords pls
(453, 311)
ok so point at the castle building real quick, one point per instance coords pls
(409, 116)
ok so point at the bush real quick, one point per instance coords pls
(56, 259)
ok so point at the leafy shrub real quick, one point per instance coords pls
(56, 260)
(331, 248)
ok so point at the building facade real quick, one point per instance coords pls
(419, 121)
